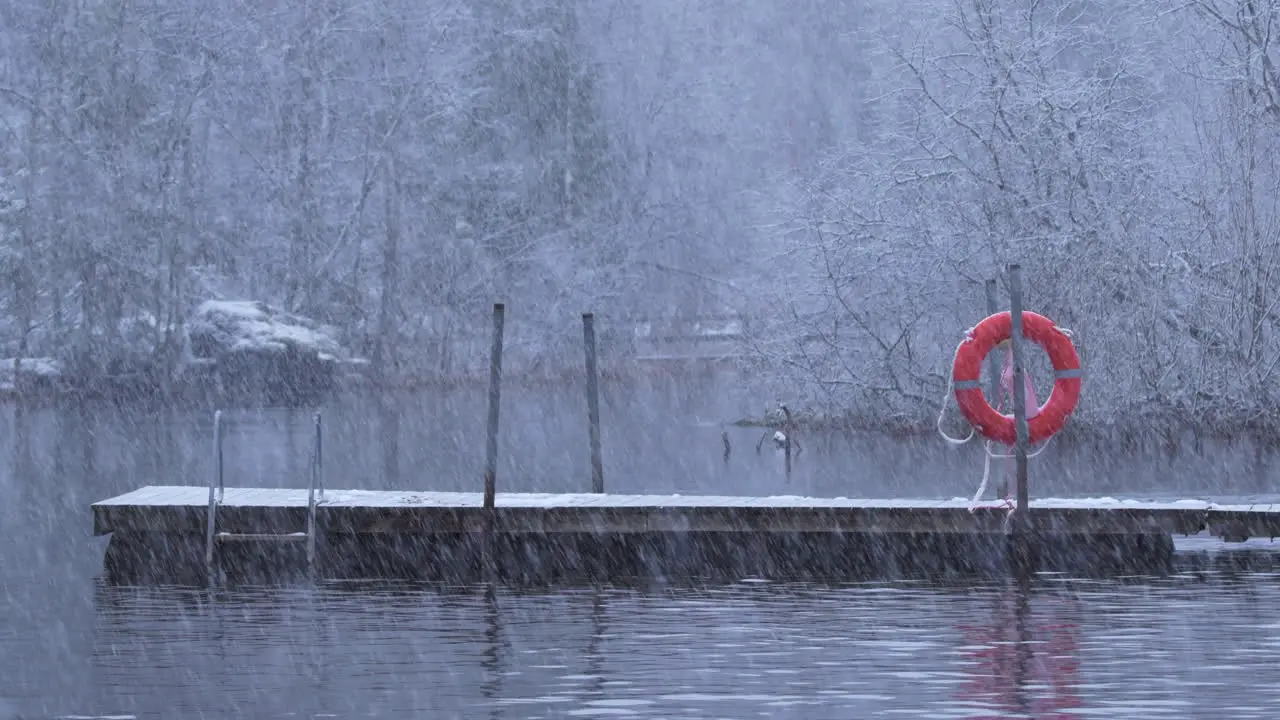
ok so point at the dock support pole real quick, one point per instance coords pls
(495, 398)
(1021, 527)
(319, 437)
(1019, 378)
(788, 431)
(993, 373)
(993, 363)
(217, 449)
(593, 402)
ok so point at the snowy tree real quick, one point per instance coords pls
(1011, 134)
(1227, 266)
(16, 266)
(847, 175)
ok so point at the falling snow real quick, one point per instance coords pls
(782, 217)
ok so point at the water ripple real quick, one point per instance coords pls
(1169, 648)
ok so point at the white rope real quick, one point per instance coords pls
(986, 465)
(942, 414)
(946, 397)
(986, 446)
(986, 473)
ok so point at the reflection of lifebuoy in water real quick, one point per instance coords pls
(967, 370)
(1011, 665)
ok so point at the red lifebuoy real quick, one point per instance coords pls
(967, 371)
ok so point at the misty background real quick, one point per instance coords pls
(828, 184)
(844, 176)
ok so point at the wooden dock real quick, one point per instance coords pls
(450, 535)
(264, 510)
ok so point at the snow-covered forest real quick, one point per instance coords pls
(844, 175)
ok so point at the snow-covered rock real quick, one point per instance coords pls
(35, 372)
(261, 351)
(220, 327)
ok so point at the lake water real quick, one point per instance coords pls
(1199, 644)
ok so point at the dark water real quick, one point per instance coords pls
(748, 650)
(1199, 646)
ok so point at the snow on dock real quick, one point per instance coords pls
(183, 509)
(298, 497)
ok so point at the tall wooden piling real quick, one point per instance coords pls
(993, 371)
(1022, 536)
(788, 431)
(993, 363)
(593, 402)
(1019, 395)
(318, 449)
(495, 400)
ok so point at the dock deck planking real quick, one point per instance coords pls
(160, 495)
(182, 509)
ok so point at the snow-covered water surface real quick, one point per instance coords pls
(752, 650)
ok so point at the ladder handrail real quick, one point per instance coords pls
(315, 491)
(216, 492)
(218, 435)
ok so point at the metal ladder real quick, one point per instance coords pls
(217, 491)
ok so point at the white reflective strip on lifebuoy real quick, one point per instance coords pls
(1064, 374)
(968, 385)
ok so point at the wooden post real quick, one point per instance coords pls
(788, 429)
(319, 458)
(1019, 396)
(993, 363)
(993, 373)
(593, 402)
(495, 397)
(218, 434)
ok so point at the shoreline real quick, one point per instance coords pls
(1171, 430)
(1169, 427)
(201, 388)
(1146, 424)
